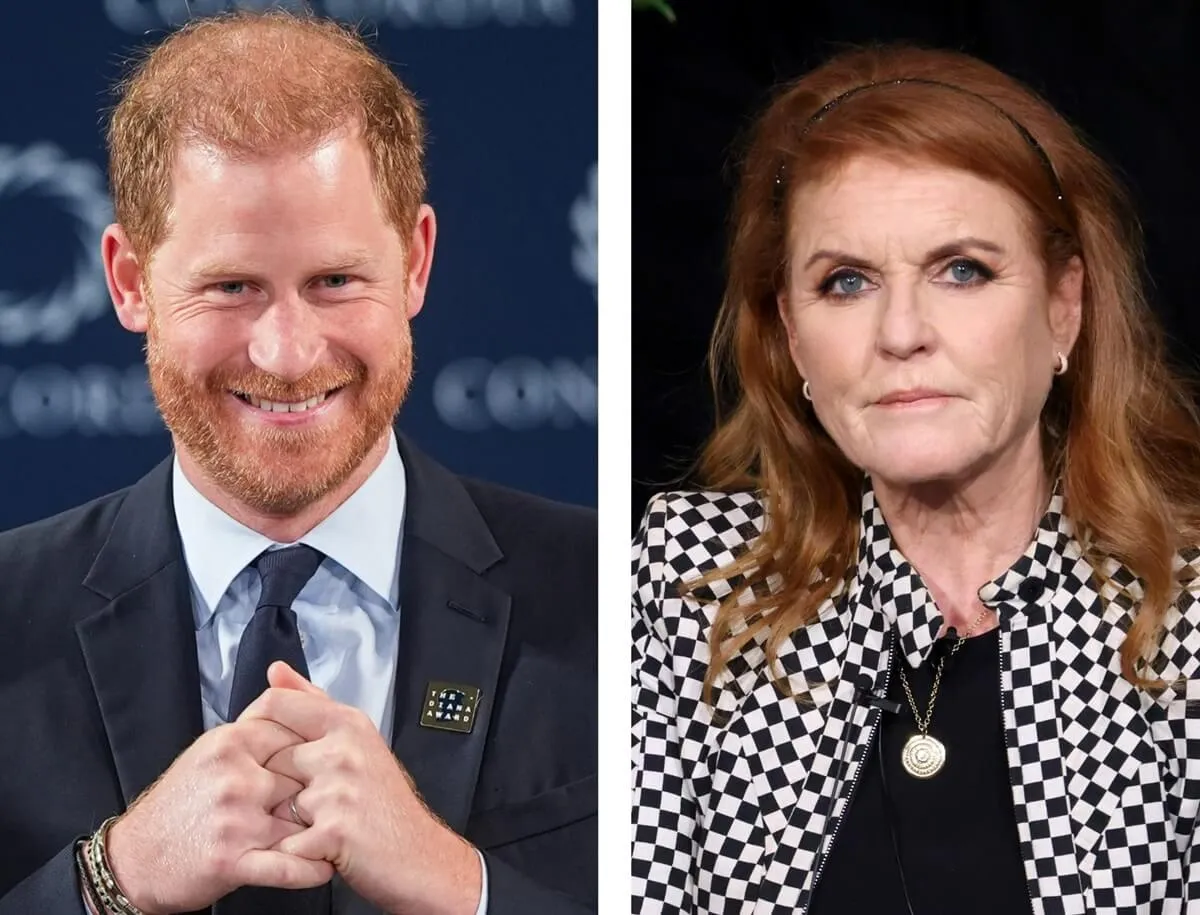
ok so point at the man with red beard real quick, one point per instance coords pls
(299, 667)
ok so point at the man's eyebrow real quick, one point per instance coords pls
(339, 263)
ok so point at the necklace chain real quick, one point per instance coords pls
(923, 726)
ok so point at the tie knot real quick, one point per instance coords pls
(285, 572)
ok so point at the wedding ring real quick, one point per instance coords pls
(296, 813)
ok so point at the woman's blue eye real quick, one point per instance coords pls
(967, 272)
(337, 280)
(844, 283)
(964, 271)
(849, 283)
(233, 287)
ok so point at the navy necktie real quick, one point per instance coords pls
(272, 634)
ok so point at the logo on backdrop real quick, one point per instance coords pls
(63, 206)
(519, 393)
(139, 16)
(76, 188)
(583, 223)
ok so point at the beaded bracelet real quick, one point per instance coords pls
(85, 879)
(99, 876)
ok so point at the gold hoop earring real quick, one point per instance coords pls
(1061, 367)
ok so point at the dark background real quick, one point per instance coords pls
(1124, 74)
(505, 384)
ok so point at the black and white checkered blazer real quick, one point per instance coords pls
(734, 812)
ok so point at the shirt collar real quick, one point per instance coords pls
(362, 535)
(896, 590)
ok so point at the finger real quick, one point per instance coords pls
(282, 788)
(262, 737)
(323, 810)
(284, 764)
(278, 869)
(301, 762)
(259, 787)
(282, 676)
(312, 844)
(281, 827)
(311, 716)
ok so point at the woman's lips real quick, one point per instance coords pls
(911, 396)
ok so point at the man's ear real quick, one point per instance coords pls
(125, 278)
(420, 258)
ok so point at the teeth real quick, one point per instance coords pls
(279, 407)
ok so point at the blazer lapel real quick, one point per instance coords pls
(1076, 733)
(856, 652)
(1101, 760)
(140, 649)
(452, 629)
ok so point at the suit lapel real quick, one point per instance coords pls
(452, 629)
(140, 649)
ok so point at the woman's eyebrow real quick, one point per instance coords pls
(957, 246)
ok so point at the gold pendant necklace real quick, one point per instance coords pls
(924, 756)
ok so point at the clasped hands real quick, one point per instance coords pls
(220, 817)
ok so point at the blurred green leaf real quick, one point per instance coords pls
(660, 5)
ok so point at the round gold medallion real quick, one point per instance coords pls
(923, 756)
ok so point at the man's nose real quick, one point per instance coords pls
(287, 339)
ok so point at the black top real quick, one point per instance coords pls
(956, 831)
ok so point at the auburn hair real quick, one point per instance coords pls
(1120, 428)
(253, 84)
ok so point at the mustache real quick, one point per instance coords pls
(265, 386)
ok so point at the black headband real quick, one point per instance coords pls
(834, 102)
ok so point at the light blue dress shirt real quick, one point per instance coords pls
(348, 613)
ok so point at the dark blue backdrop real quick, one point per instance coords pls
(506, 345)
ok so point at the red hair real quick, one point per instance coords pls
(1120, 428)
(253, 84)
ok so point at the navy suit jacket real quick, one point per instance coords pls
(100, 690)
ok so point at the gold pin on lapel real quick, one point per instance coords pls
(449, 706)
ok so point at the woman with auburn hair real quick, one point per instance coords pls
(929, 643)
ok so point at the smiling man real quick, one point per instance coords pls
(299, 667)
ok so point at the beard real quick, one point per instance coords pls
(277, 471)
